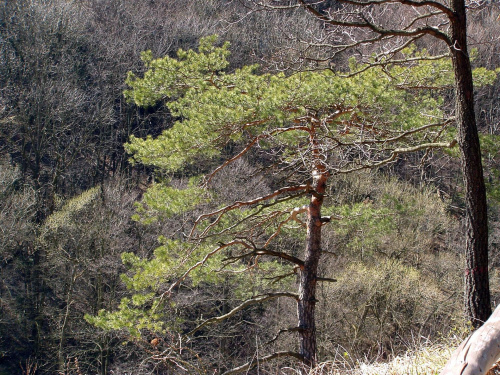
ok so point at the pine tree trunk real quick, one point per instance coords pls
(477, 292)
(308, 275)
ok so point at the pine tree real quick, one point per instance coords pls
(299, 130)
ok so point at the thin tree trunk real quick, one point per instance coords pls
(477, 292)
(308, 275)
(307, 287)
(65, 320)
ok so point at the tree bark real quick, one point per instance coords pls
(478, 353)
(309, 272)
(307, 287)
(477, 292)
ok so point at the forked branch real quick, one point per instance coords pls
(396, 152)
(241, 204)
(377, 29)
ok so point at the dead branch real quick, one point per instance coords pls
(260, 251)
(200, 263)
(397, 152)
(434, 4)
(293, 216)
(293, 329)
(326, 279)
(250, 365)
(250, 144)
(281, 255)
(366, 24)
(262, 206)
(245, 304)
(278, 278)
(240, 204)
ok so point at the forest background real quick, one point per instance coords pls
(68, 192)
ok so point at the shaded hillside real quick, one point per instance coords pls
(67, 194)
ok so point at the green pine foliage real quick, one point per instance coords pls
(346, 121)
(216, 107)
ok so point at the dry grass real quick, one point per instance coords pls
(423, 359)
(426, 360)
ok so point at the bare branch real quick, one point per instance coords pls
(240, 204)
(399, 136)
(250, 365)
(281, 255)
(278, 278)
(326, 280)
(293, 216)
(386, 62)
(262, 206)
(366, 24)
(245, 304)
(293, 329)
(296, 211)
(397, 152)
(426, 3)
(260, 251)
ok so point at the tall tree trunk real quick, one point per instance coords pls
(308, 275)
(477, 291)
